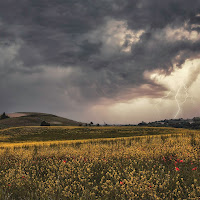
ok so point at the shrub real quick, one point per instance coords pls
(44, 123)
(4, 116)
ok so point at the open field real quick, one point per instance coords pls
(34, 133)
(143, 164)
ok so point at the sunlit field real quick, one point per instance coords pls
(139, 167)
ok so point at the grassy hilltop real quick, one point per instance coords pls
(35, 119)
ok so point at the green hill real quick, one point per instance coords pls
(35, 119)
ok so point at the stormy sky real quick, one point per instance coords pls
(107, 61)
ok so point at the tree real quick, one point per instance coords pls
(43, 123)
(142, 123)
(4, 116)
(196, 119)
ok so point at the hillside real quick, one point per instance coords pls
(35, 119)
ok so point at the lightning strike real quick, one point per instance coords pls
(186, 94)
(180, 104)
(177, 100)
(179, 108)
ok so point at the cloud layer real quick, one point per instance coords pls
(66, 57)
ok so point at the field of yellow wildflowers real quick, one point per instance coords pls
(137, 167)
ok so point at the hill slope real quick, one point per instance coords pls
(35, 119)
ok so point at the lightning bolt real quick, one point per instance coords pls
(177, 100)
(179, 94)
(164, 97)
(180, 104)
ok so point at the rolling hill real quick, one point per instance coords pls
(35, 119)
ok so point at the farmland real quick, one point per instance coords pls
(99, 163)
(34, 133)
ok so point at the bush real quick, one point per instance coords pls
(44, 123)
(4, 116)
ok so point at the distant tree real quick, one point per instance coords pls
(196, 119)
(91, 123)
(97, 125)
(44, 123)
(4, 116)
(142, 124)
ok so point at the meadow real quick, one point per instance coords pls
(57, 133)
(143, 163)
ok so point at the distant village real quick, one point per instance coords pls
(193, 123)
(176, 123)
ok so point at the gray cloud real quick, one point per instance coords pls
(103, 47)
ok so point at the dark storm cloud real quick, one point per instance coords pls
(38, 36)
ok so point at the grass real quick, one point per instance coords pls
(35, 119)
(29, 134)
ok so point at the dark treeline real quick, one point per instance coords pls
(176, 123)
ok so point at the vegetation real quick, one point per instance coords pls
(176, 123)
(4, 116)
(35, 119)
(28, 134)
(140, 167)
(44, 123)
